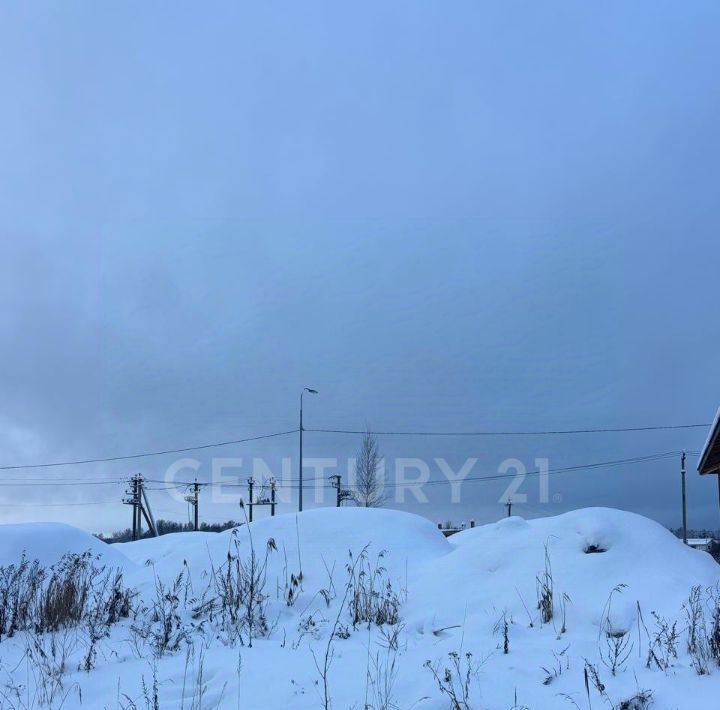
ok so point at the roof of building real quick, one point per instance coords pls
(710, 457)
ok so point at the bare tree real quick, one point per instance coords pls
(368, 474)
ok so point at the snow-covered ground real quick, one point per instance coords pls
(454, 597)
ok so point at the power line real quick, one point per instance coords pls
(73, 479)
(551, 432)
(199, 447)
(566, 469)
(295, 484)
(222, 484)
(162, 485)
(12, 484)
(146, 454)
(56, 505)
(494, 477)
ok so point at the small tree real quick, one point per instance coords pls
(368, 474)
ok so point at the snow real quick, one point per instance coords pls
(48, 542)
(457, 588)
(699, 542)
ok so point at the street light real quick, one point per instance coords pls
(311, 391)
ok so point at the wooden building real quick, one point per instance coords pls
(710, 455)
(709, 462)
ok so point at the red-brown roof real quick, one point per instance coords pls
(710, 456)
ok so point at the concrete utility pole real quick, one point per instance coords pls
(134, 503)
(194, 499)
(261, 498)
(340, 494)
(196, 490)
(133, 500)
(684, 507)
(138, 508)
(146, 510)
(300, 496)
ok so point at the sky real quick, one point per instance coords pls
(443, 216)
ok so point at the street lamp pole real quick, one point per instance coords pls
(300, 497)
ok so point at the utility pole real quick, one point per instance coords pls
(684, 507)
(138, 506)
(145, 509)
(133, 500)
(196, 491)
(134, 503)
(259, 497)
(251, 482)
(194, 499)
(335, 483)
(300, 495)
(137, 496)
(341, 494)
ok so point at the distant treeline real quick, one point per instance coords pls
(692, 533)
(167, 526)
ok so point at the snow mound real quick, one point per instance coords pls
(314, 541)
(48, 542)
(589, 553)
(608, 569)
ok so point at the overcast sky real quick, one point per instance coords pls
(443, 216)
